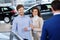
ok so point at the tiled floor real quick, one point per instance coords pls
(4, 30)
(4, 27)
(4, 36)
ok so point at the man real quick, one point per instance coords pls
(21, 24)
(51, 27)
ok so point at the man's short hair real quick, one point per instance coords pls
(55, 5)
(19, 6)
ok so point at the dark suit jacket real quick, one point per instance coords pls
(51, 29)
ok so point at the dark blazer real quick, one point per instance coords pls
(51, 29)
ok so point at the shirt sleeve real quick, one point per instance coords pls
(30, 23)
(14, 26)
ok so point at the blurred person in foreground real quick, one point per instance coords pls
(51, 28)
(37, 22)
(21, 24)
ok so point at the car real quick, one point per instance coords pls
(45, 10)
(6, 13)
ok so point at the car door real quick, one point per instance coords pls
(1, 13)
(45, 11)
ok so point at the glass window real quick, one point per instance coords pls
(45, 8)
(0, 10)
(5, 9)
(49, 6)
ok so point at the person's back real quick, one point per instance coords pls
(51, 27)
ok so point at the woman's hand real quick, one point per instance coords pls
(31, 26)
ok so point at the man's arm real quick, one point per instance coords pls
(44, 32)
(14, 26)
(30, 24)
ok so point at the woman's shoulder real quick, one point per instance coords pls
(40, 18)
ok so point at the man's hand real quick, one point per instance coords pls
(25, 29)
(32, 26)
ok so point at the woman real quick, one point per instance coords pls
(37, 23)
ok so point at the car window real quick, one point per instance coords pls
(6, 9)
(39, 7)
(0, 10)
(48, 6)
(45, 8)
(26, 13)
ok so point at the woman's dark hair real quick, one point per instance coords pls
(37, 10)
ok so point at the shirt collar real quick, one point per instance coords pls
(57, 13)
(21, 16)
